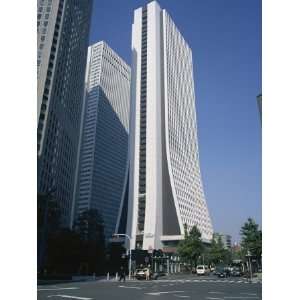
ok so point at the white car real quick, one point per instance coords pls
(202, 270)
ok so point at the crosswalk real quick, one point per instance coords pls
(200, 280)
(207, 280)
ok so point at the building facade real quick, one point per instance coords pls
(62, 41)
(104, 137)
(225, 239)
(164, 188)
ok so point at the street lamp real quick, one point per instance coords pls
(129, 238)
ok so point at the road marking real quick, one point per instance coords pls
(130, 287)
(215, 292)
(201, 281)
(70, 297)
(158, 293)
(241, 297)
(249, 294)
(211, 298)
(178, 296)
(58, 289)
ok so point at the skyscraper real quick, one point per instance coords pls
(225, 239)
(104, 138)
(62, 40)
(165, 187)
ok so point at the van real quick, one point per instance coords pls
(202, 270)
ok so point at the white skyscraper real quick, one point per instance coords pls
(104, 138)
(165, 187)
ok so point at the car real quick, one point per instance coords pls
(218, 270)
(236, 272)
(156, 275)
(221, 272)
(141, 273)
(202, 270)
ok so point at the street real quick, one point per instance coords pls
(166, 288)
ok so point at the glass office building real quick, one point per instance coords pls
(104, 137)
(62, 41)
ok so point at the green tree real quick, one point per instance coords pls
(48, 223)
(191, 248)
(217, 253)
(115, 257)
(89, 226)
(64, 252)
(251, 239)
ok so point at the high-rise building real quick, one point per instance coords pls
(62, 40)
(165, 187)
(104, 137)
(225, 239)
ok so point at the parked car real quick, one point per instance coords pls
(202, 270)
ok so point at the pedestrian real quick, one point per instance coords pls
(122, 274)
(147, 274)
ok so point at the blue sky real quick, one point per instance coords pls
(225, 37)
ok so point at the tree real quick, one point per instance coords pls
(59, 248)
(115, 257)
(191, 248)
(89, 226)
(251, 239)
(48, 222)
(64, 252)
(217, 253)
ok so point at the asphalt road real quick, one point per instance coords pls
(175, 287)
